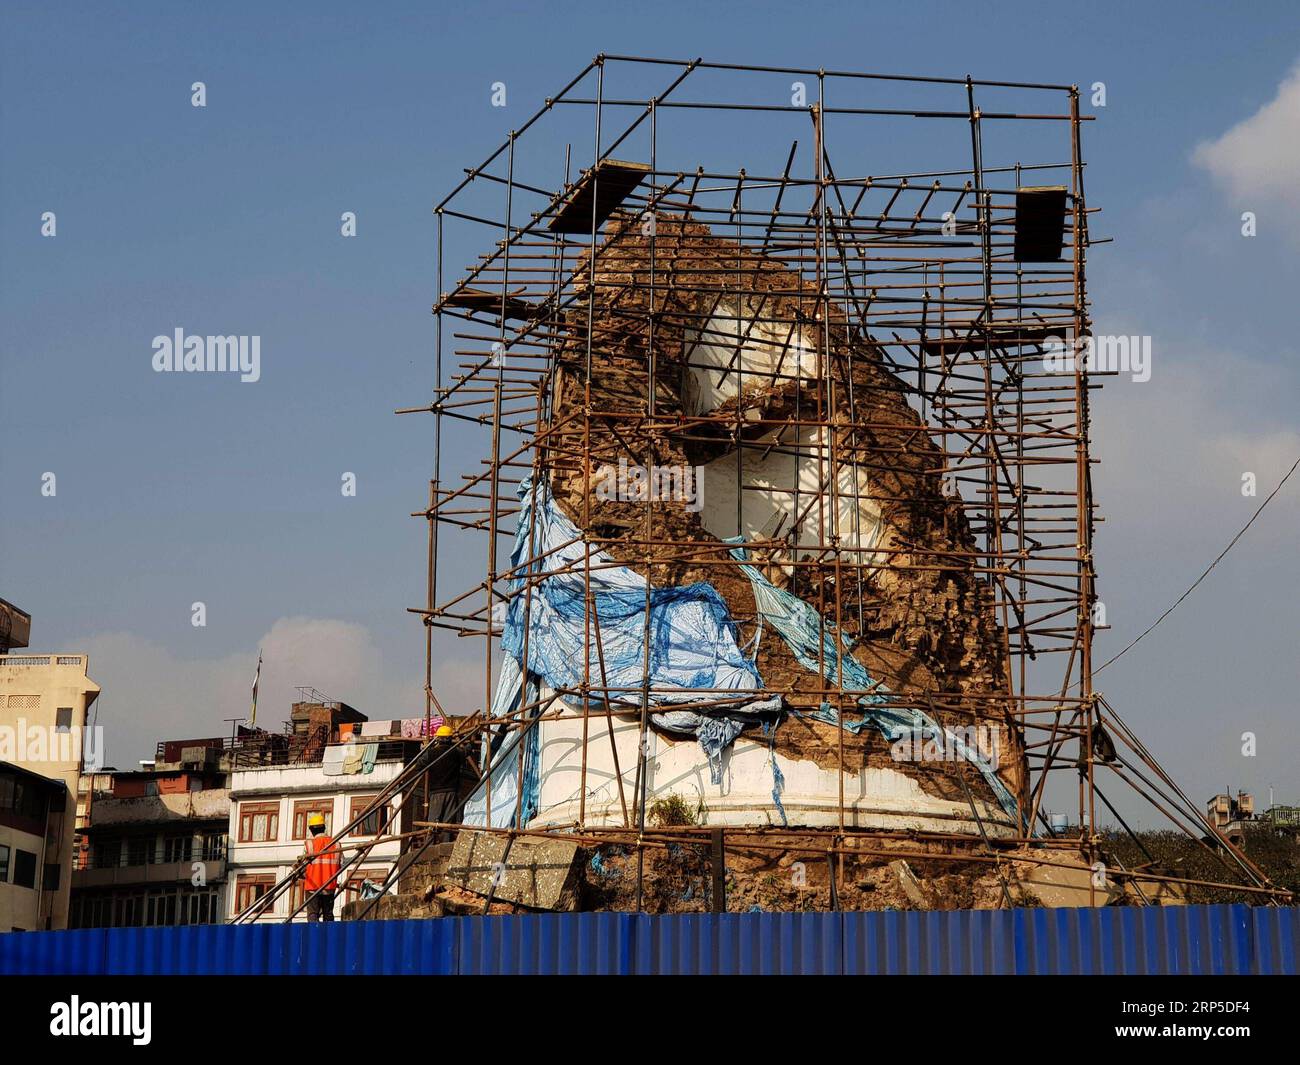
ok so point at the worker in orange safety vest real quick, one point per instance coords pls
(321, 877)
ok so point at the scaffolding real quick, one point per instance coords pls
(685, 265)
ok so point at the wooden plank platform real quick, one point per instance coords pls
(608, 184)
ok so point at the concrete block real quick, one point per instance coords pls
(1063, 885)
(535, 872)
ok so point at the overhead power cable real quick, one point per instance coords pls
(1208, 568)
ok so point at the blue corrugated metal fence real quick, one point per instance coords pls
(1190, 939)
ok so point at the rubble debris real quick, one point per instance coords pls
(911, 886)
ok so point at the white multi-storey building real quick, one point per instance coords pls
(270, 805)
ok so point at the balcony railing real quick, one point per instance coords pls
(41, 660)
(170, 750)
(297, 750)
(125, 857)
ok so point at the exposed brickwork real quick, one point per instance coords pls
(923, 623)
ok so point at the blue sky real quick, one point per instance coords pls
(173, 489)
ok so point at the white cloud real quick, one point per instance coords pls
(1173, 451)
(151, 694)
(1258, 160)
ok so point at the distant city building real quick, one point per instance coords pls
(1232, 814)
(45, 700)
(15, 627)
(331, 761)
(32, 811)
(1283, 818)
(155, 841)
(1229, 814)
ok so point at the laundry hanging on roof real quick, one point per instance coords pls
(332, 760)
(352, 759)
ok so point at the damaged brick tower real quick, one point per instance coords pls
(787, 527)
(785, 429)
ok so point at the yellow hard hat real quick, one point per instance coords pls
(443, 730)
(316, 821)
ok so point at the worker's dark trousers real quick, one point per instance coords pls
(444, 806)
(320, 907)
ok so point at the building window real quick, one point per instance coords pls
(130, 911)
(374, 821)
(24, 868)
(259, 822)
(133, 908)
(139, 850)
(165, 910)
(108, 853)
(178, 848)
(24, 702)
(4, 864)
(303, 810)
(51, 880)
(297, 896)
(63, 719)
(20, 798)
(250, 888)
(96, 912)
(214, 846)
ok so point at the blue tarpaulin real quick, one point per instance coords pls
(692, 642)
(811, 641)
(503, 755)
(694, 659)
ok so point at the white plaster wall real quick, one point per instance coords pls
(288, 785)
(768, 501)
(876, 798)
(770, 352)
(281, 780)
